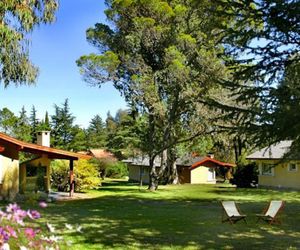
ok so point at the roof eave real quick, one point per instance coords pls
(52, 153)
(219, 163)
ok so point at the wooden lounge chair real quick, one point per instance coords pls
(270, 213)
(231, 213)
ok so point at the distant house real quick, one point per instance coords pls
(101, 154)
(18, 177)
(194, 170)
(274, 170)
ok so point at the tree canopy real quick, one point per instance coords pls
(262, 49)
(17, 20)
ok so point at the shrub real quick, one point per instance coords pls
(117, 170)
(40, 181)
(110, 168)
(60, 175)
(86, 175)
(245, 175)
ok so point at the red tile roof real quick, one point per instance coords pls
(52, 153)
(210, 162)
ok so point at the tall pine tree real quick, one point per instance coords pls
(62, 126)
(96, 133)
(34, 123)
(23, 128)
(262, 46)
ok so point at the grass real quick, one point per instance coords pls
(122, 216)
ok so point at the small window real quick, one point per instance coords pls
(292, 167)
(267, 169)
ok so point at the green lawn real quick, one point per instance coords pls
(120, 216)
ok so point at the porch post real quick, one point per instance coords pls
(71, 178)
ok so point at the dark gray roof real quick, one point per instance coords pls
(144, 160)
(188, 160)
(275, 151)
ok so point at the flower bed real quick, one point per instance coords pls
(19, 229)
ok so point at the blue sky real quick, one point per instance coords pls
(54, 49)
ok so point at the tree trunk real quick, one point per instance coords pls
(173, 174)
(174, 178)
(163, 172)
(238, 148)
(153, 176)
(141, 177)
(235, 152)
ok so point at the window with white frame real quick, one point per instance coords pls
(267, 169)
(292, 167)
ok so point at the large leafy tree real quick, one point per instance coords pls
(8, 121)
(17, 20)
(162, 56)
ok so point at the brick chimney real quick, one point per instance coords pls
(43, 138)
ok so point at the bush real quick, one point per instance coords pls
(86, 175)
(117, 170)
(246, 176)
(40, 180)
(60, 175)
(110, 168)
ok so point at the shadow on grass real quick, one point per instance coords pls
(127, 187)
(132, 222)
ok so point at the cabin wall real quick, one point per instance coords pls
(135, 172)
(9, 176)
(200, 175)
(280, 176)
(184, 175)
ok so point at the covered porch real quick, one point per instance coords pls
(43, 157)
